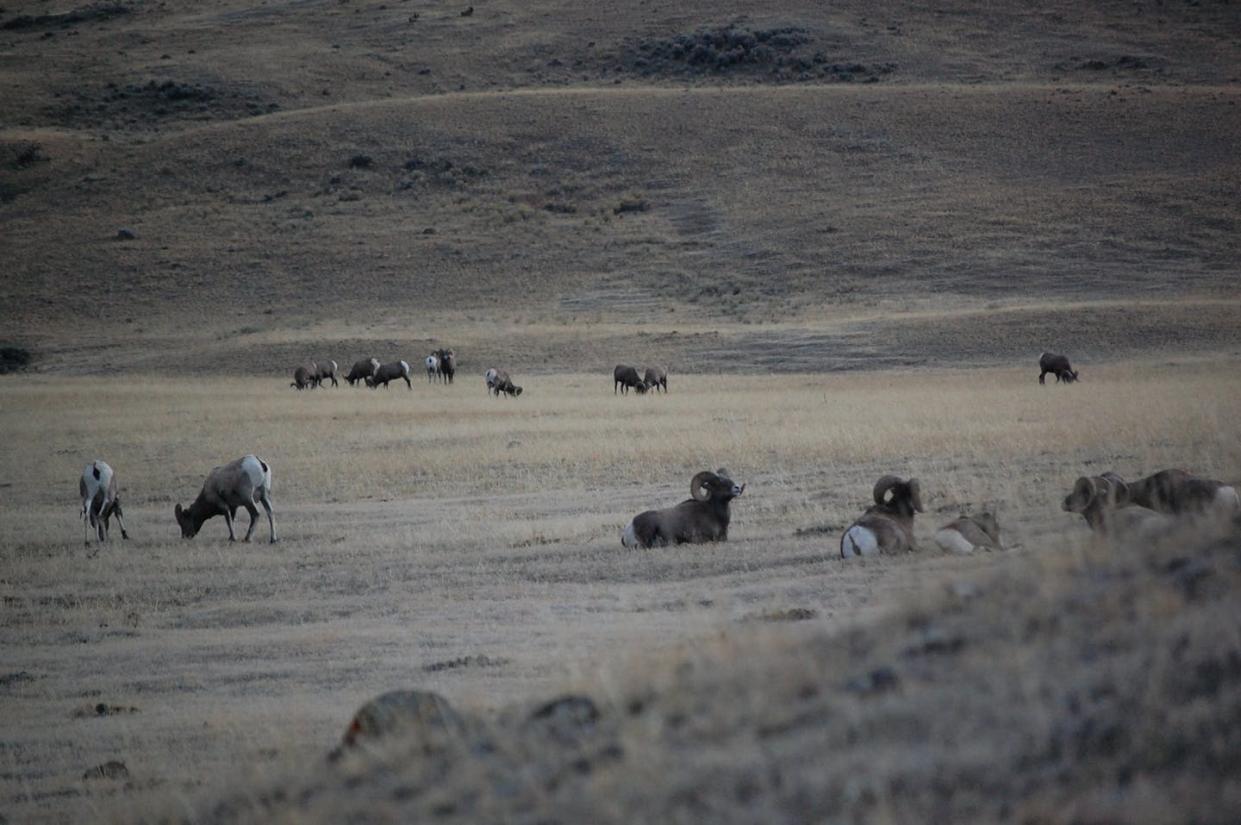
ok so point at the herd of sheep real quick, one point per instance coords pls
(1109, 504)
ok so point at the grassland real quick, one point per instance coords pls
(422, 528)
(848, 244)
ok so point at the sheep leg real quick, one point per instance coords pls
(228, 520)
(85, 525)
(407, 384)
(265, 500)
(254, 517)
(120, 520)
(1042, 377)
(335, 383)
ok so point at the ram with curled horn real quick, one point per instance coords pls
(887, 526)
(703, 517)
(1105, 502)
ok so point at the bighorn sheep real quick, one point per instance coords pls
(702, 518)
(237, 484)
(362, 370)
(303, 378)
(100, 501)
(1058, 365)
(326, 369)
(656, 378)
(498, 382)
(888, 525)
(390, 372)
(1179, 492)
(1105, 505)
(624, 377)
(433, 367)
(969, 533)
(448, 364)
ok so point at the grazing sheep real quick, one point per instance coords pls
(499, 381)
(326, 370)
(490, 377)
(433, 367)
(1057, 365)
(362, 370)
(704, 517)
(624, 377)
(448, 364)
(1179, 492)
(100, 501)
(969, 533)
(237, 484)
(888, 525)
(303, 378)
(390, 372)
(1105, 505)
(656, 378)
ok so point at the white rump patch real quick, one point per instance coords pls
(405, 367)
(254, 469)
(628, 537)
(93, 485)
(951, 541)
(1226, 500)
(859, 541)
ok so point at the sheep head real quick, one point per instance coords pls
(189, 528)
(707, 485)
(1105, 491)
(901, 491)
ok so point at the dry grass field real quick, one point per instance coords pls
(444, 539)
(847, 229)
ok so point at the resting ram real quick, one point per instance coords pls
(703, 517)
(887, 526)
(969, 533)
(1179, 492)
(1105, 504)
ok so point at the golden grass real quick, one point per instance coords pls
(413, 533)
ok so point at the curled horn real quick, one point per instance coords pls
(699, 483)
(915, 493)
(1085, 488)
(1118, 490)
(883, 485)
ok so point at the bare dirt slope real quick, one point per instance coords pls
(294, 163)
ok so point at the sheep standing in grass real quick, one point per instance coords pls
(499, 381)
(239, 483)
(1057, 365)
(702, 518)
(625, 377)
(448, 364)
(656, 378)
(887, 526)
(362, 370)
(100, 500)
(390, 372)
(303, 378)
(433, 367)
(969, 533)
(326, 370)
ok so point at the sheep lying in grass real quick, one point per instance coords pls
(1104, 503)
(969, 533)
(702, 518)
(1179, 492)
(887, 526)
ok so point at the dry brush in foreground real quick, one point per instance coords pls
(1098, 684)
